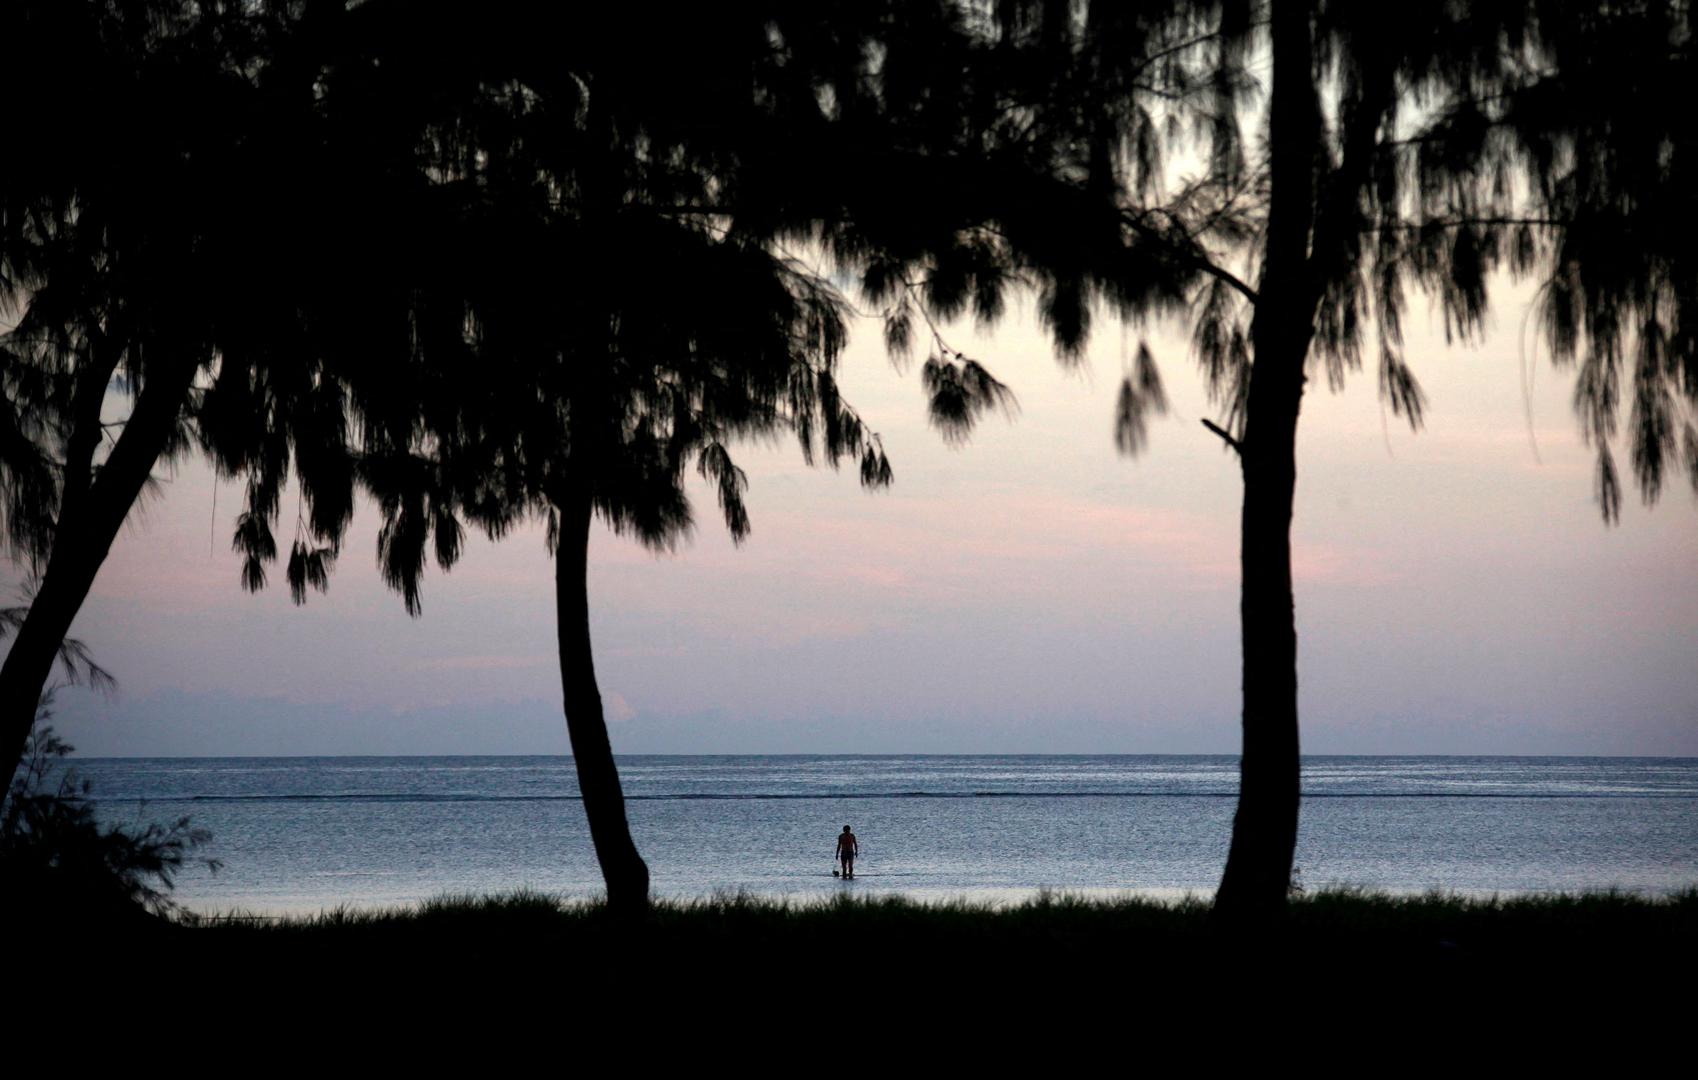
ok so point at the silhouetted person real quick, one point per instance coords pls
(847, 848)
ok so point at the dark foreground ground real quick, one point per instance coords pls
(1419, 983)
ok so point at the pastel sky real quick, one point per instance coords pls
(1033, 591)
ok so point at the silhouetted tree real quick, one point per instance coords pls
(199, 249)
(478, 265)
(149, 186)
(1427, 145)
(589, 322)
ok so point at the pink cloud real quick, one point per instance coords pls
(617, 709)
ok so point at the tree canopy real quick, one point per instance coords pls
(153, 230)
(589, 305)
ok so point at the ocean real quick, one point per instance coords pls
(301, 834)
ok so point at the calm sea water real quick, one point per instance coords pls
(305, 833)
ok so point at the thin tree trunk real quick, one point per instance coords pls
(84, 534)
(1264, 829)
(622, 868)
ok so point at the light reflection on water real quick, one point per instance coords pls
(301, 834)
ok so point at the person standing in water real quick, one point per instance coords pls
(847, 848)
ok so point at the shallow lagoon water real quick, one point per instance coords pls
(301, 834)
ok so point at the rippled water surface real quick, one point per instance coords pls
(304, 833)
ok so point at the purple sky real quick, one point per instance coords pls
(1031, 592)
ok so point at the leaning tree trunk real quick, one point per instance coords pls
(29, 663)
(622, 868)
(93, 507)
(1264, 829)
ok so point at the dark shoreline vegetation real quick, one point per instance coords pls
(1446, 922)
(1060, 983)
(747, 935)
(1059, 977)
(1449, 920)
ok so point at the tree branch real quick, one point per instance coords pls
(1209, 267)
(1192, 253)
(1237, 447)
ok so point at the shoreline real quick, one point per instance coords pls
(980, 902)
(989, 899)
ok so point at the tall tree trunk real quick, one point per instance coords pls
(95, 505)
(1264, 829)
(622, 868)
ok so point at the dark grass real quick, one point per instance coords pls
(1514, 966)
(752, 941)
(1576, 924)
(1584, 919)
